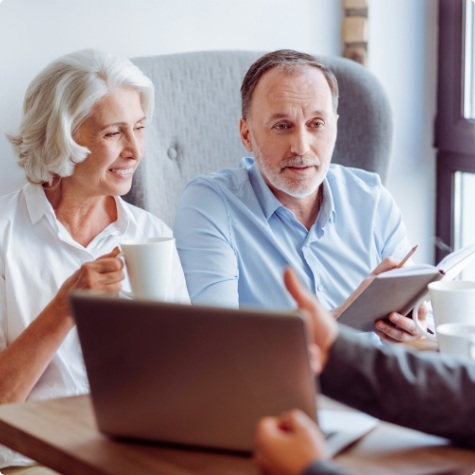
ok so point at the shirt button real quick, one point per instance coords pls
(319, 287)
(172, 153)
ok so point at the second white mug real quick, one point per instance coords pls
(453, 301)
(457, 339)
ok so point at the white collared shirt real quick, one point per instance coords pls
(37, 254)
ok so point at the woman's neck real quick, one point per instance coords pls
(84, 218)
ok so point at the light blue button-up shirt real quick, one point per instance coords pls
(235, 238)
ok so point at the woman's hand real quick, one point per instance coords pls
(23, 362)
(104, 275)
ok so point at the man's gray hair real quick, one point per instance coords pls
(58, 101)
(287, 60)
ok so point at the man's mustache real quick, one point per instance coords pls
(301, 161)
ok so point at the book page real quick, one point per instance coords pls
(457, 261)
(416, 269)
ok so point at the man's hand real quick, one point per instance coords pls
(286, 445)
(401, 328)
(322, 327)
(387, 264)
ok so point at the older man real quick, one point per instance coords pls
(237, 229)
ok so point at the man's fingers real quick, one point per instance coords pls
(404, 323)
(400, 329)
(322, 327)
(386, 264)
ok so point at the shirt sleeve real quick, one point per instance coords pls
(390, 229)
(204, 242)
(425, 391)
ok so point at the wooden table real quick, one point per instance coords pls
(62, 434)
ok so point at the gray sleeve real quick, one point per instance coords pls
(422, 390)
(325, 467)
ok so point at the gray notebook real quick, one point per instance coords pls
(193, 375)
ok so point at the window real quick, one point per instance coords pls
(455, 127)
(469, 61)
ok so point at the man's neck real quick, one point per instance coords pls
(305, 209)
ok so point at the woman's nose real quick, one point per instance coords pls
(132, 146)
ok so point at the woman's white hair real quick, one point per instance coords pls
(59, 99)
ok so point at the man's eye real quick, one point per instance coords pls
(317, 124)
(281, 126)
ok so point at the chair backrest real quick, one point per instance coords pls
(195, 125)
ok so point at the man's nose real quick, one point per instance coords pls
(300, 142)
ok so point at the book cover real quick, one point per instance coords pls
(397, 290)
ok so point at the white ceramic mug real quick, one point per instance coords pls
(457, 339)
(149, 266)
(453, 301)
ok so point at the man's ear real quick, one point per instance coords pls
(245, 134)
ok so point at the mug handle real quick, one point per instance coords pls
(415, 317)
(124, 293)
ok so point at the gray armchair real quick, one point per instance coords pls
(195, 125)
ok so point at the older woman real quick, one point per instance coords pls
(80, 141)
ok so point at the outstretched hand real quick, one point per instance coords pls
(322, 327)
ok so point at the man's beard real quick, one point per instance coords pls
(275, 174)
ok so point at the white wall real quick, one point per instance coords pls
(402, 55)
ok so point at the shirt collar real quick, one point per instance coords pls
(124, 215)
(327, 210)
(270, 203)
(36, 202)
(39, 206)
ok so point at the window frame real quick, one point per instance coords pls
(454, 134)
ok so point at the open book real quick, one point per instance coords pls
(397, 290)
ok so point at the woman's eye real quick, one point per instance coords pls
(112, 134)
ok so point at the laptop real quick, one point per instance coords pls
(194, 375)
